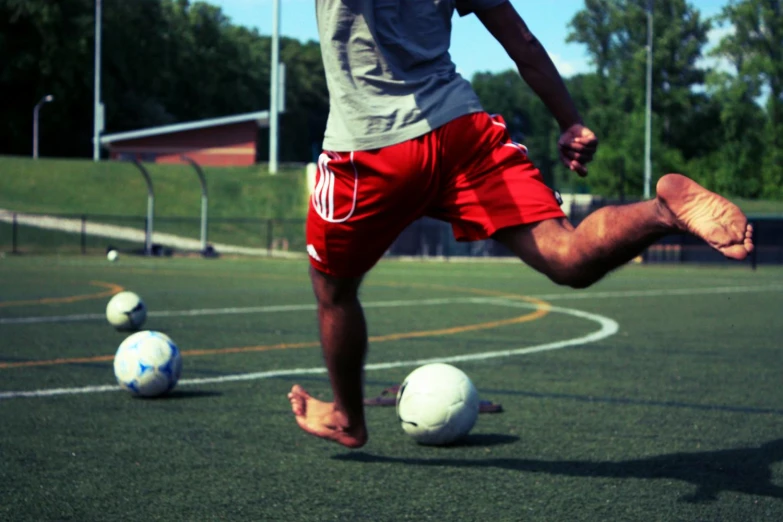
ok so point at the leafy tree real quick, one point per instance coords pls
(164, 61)
(755, 48)
(610, 29)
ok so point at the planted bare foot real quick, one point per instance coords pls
(692, 208)
(320, 418)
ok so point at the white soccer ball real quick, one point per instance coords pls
(112, 255)
(147, 364)
(126, 311)
(437, 404)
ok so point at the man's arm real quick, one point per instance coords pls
(577, 143)
(532, 60)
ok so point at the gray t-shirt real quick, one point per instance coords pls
(388, 69)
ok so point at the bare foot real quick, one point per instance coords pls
(692, 208)
(320, 418)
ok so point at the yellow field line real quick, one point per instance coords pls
(542, 310)
(111, 290)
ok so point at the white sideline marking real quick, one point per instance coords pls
(608, 327)
(662, 292)
(390, 304)
(52, 319)
(229, 311)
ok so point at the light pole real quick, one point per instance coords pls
(274, 88)
(36, 110)
(98, 116)
(648, 104)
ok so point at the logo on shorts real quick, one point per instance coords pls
(312, 253)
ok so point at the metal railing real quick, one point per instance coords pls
(25, 232)
(426, 238)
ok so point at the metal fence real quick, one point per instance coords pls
(30, 233)
(67, 233)
(685, 248)
(429, 237)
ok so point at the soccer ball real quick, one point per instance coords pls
(112, 255)
(148, 364)
(437, 404)
(126, 311)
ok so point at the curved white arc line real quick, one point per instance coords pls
(379, 304)
(608, 328)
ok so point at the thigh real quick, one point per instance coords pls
(362, 201)
(490, 183)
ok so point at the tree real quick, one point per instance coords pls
(164, 61)
(610, 29)
(755, 49)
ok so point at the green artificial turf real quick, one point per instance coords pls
(676, 416)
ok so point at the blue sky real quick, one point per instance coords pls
(472, 49)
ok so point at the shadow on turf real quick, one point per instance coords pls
(185, 394)
(743, 470)
(483, 439)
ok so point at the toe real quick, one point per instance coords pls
(298, 391)
(738, 252)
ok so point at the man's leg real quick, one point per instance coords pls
(361, 202)
(612, 236)
(344, 344)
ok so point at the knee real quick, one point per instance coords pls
(332, 291)
(572, 278)
(576, 281)
(566, 267)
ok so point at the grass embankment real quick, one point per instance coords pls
(106, 190)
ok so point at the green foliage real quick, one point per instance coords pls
(164, 61)
(706, 123)
(178, 60)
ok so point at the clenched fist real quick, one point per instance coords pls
(577, 147)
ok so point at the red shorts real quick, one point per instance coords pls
(468, 173)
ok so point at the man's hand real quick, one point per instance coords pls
(577, 147)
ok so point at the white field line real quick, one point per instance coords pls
(663, 292)
(385, 304)
(607, 328)
(233, 311)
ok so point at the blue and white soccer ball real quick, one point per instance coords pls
(148, 364)
(437, 404)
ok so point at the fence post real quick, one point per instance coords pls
(14, 227)
(269, 239)
(204, 205)
(150, 207)
(84, 234)
(753, 258)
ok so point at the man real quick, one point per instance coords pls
(407, 137)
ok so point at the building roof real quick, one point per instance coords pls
(261, 117)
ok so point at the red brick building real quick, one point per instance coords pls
(228, 141)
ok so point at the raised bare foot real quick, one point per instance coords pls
(716, 220)
(320, 418)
